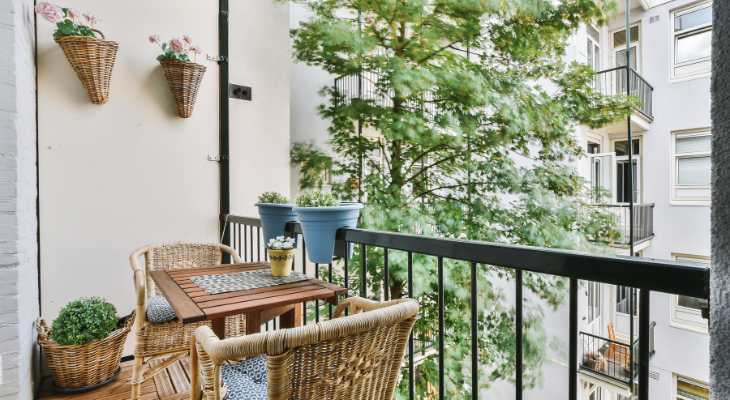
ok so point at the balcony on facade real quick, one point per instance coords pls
(643, 227)
(623, 80)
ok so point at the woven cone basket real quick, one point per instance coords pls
(75, 367)
(184, 78)
(93, 60)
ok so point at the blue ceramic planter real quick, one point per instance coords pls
(320, 224)
(274, 218)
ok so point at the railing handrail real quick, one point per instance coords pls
(603, 71)
(626, 205)
(636, 341)
(673, 277)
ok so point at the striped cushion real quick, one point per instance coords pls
(159, 310)
(246, 380)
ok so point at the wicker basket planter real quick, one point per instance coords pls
(93, 60)
(184, 78)
(76, 368)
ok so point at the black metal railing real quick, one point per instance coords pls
(643, 221)
(614, 81)
(609, 358)
(687, 279)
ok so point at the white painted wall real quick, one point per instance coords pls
(18, 194)
(128, 173)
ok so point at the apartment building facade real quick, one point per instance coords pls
(670, 60)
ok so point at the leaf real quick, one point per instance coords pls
(164, 46)
(160, 57)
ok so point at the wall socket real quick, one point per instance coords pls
(239, 92)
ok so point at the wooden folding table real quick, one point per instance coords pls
(193, 304)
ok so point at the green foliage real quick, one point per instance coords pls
(316, 198)
(273, 198)
(168, 54)
(479, 147)
(70, 28)
(84, 321)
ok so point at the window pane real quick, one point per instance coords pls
(689, 302)
(589, 57)
(692, 391)
(592, 33)
(619, 38)
(693, 144)
(621, 147)
(694, 170)
(695, 18)
(693, 47)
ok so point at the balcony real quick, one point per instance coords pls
(614, 81)
(643, 222)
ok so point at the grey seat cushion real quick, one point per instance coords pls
(159, 310)
(246, 380)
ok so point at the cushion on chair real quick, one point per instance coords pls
(159, 310)
(246, 380)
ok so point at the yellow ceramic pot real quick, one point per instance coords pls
(281, 261)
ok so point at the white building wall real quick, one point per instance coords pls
(18, 195)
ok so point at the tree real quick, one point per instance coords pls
(474, 109)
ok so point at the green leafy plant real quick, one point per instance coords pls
(84, 321)
(475, 109)
(176, 48)
(273, 198)
(316, 198)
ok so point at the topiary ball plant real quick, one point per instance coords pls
(84, 321)
(273, 198)
(315, 198)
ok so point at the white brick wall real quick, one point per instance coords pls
(18, 194)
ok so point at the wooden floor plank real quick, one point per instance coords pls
(162, 380)
(178, 377)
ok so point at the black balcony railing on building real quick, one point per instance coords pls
(647, 275)
(643, 221)
(614, 81)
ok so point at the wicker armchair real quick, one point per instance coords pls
(354, 357)
(171, 338)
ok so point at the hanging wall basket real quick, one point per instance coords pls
(184, 78)
(93, 60)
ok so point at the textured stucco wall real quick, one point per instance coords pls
(18, 194)
(720, 288)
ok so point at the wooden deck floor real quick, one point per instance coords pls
(171, 384)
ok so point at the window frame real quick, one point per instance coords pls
(676, 35)
(674, 168)
(676, 377)
(613, 49)
(674, 301)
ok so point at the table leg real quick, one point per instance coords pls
(253, 322)
(219, 327)
(291, 318)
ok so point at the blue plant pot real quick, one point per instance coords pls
(320, 225)
(274, 218)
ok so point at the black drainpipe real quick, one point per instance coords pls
(225, 188)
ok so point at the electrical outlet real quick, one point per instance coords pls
(214, 157)
(239, 92)
(212, 57)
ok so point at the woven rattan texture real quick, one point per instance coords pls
(81, 366)
(355, 357)
(171, 338)
(184, 78)
(93, 60)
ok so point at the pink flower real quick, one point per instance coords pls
(196, 49)
(187, 39)
(91, 17)
(154, 38)
(178, 45)
(74, 13)
(49, 11)
(81, 23)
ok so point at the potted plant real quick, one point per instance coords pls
(183, 75)
(275, 211)
(84, 345)
(91, 58)
(321, 215)
(281, 255)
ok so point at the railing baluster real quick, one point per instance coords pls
(386, 274)
(364, 277)
(245, 239)
(330, 271)
(258, 243)
(442, 381)
(316, 302)
(304, 271)
(518, 334)
(250, 242)
(411, 347)
(474, 333)
(644, 346)
(238, 236)
(573, 345)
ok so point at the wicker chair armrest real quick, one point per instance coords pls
(357, 304)
(232, 252)
(221, 351)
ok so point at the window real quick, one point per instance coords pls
(593, 148)
(594, 301)
(623, 190)
(593, 52)
(692, 167)
(619, 46)
(692, 41)
(686, 312)
(690, 389)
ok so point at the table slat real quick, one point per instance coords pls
(185, 308)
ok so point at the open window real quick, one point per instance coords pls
(691, 41)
